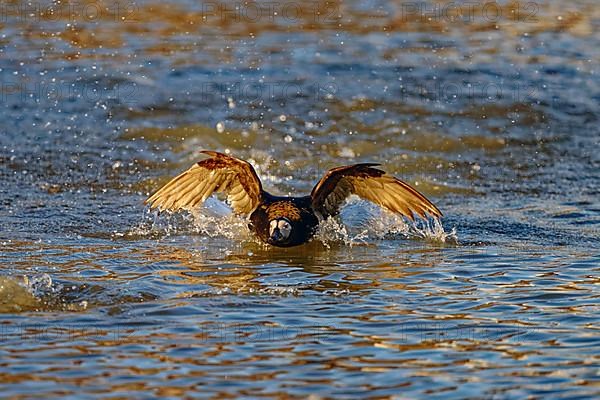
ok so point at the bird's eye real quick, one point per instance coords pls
(284, 225)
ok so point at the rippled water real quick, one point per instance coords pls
(492, 113)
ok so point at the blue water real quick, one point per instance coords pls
(495, 119)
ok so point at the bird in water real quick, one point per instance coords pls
(287, 221)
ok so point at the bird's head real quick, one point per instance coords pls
(279, 231)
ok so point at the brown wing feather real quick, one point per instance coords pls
(219, 173)
(371, 184)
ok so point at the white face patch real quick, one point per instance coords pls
(284, 227)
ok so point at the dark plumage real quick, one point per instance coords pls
(287, 221)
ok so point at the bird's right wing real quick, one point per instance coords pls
(219, 173)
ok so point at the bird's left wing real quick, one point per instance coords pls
(372, 184)
(219, 173)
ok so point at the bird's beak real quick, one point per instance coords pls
(276, 236)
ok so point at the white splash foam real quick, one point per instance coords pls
(229, 226)
(388, 224)
(39, 285)
(214, 219)
(359, 223)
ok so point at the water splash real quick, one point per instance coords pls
(214, 219)
(34, 293)
(333, 231)
(40, 285)
(359, 223)
(388, 225)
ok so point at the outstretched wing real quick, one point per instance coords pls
(219, 173)
(370, 184)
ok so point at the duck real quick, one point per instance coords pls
(287, 221)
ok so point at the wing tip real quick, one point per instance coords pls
(367, 164)
(150, 201)
(216, 154)
(151, 204)
(424, 215)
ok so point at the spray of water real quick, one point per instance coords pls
(386, 226)
(359, 223)
(34, 293)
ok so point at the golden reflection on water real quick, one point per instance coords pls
(106, 22)
(422, 154)
(243, 274)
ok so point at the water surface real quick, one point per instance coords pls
(493, 116)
